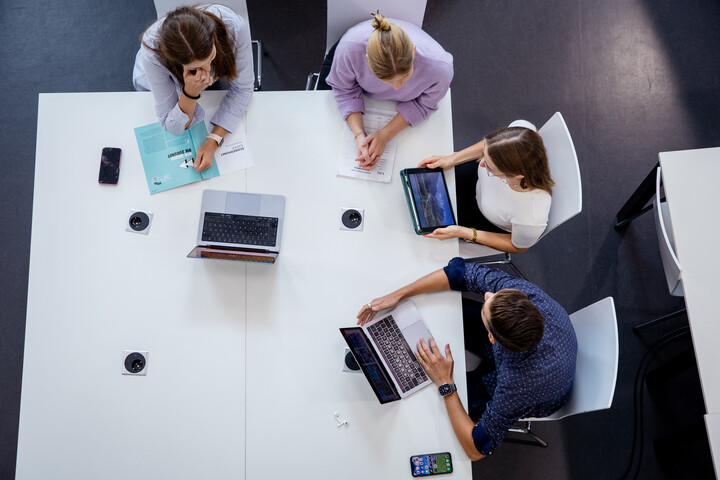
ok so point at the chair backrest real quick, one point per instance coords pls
(567, 192)
(597, 360)
(162, 7)
(671, 264)
(343, 14)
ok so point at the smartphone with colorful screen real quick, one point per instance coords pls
(431, 464)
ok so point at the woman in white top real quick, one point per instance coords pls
(513, 190)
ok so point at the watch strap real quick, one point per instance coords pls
(216, 137)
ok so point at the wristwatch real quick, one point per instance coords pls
(446, 389)
(217, 138)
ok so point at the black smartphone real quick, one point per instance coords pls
(431, 464)
(109, 165)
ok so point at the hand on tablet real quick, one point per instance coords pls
(437, 161)
(452, 231)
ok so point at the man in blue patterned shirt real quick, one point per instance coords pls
(531, 342)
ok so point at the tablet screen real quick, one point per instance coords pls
(431, 199)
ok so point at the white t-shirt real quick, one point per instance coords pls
(523, 214)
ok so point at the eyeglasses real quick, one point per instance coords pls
(490, 172)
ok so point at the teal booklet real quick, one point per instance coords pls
(169, 160)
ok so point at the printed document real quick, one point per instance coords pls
(169, 161)
(374, 119)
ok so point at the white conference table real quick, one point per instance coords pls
(244, 371)
(691, 194)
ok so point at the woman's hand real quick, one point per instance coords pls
(451, 231)
(375, 143)
(438, 161)
(362, 151)
(438, 367)
(205, 155)
(197, 82)
(367, 313)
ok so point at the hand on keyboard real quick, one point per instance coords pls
(438, 367)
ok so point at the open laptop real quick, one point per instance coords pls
(239, 226)
(384, 349)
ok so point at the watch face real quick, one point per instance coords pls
(446, 389)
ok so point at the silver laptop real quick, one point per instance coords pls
(239, 226)
(384, 348)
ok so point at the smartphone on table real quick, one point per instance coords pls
(431, 464)
(109, 165)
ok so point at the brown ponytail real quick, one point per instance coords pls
(521, 151)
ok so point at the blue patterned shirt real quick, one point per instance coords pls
(534, 383)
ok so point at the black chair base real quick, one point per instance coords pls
(527, 430)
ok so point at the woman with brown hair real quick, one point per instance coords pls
(389, 60)
(513, 190)
(185, 52)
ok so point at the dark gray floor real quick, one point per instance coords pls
(631, 78)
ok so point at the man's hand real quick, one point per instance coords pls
(367, 313)
(205, 155)
(438, 368)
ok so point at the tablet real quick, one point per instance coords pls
(427, 198)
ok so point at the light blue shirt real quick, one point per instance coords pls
(150, 74)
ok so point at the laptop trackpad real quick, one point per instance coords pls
(414, 332)
(242, 203)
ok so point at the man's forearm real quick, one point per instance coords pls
(436, 281)
(463, 425)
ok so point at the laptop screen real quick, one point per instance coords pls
(366, 356)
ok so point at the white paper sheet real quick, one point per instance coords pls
(374, 119)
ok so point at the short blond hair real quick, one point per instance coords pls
(389, 49)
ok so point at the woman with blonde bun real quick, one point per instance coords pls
(388, 60)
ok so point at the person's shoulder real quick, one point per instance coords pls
(439, 62)
(150, 41)
(358, 33)
(150, 36)
(219, 10)
(541, 201)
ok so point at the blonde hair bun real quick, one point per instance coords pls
(380, 22)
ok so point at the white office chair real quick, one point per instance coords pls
(162, 7)
(566, 195)
(597, 364)
(671, 264)
(343, 14)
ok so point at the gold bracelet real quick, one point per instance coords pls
(474, 236)
(361, 133)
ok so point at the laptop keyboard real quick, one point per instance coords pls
(242, 229)
(397, 353)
